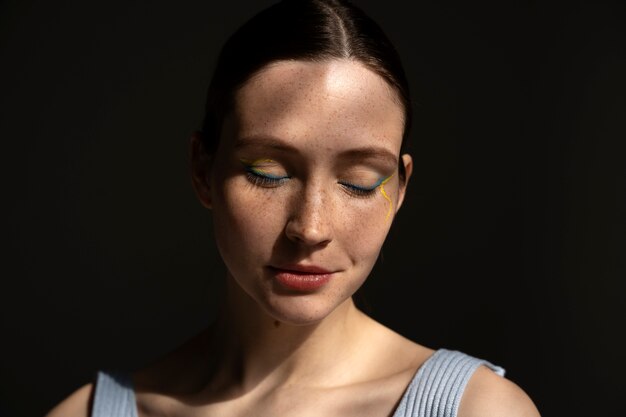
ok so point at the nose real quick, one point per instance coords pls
(311, 221)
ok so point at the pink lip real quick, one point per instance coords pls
(304, 269)
(301, 277)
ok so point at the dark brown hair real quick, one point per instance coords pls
(310, 30)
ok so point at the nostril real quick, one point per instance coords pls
(308, 234)
(310, 221)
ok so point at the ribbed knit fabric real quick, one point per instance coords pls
(438, 385)
(114, 396)
(434, 391)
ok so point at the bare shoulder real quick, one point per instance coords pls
(77, 404)
(490, 395)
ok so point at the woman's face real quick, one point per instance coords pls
(304, 184)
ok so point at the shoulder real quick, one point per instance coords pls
(490, 395)
(78, 404)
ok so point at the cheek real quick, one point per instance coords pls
(364, 227)
(250, 221)
(246, 221)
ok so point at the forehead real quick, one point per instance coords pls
(333, 104)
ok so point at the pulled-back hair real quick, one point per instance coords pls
(309, 30)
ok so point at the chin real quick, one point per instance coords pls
(301, 310)
(293, 307)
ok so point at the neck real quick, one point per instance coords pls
(254, 349)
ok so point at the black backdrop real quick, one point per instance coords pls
(510, 246)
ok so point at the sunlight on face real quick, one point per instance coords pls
(306, 173)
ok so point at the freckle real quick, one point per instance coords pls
(276, 323)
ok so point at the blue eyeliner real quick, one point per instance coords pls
(260, 173)
(372, 188)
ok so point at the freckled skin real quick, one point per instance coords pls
(288, 354)
(320, 109)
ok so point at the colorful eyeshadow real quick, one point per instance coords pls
(252, 167)
(382, 191)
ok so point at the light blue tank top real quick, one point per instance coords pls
(434, 391)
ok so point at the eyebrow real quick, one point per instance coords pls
(364, 152)
(370, 152)
(264, 142)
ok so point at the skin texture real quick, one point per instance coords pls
(317, 130)
(321, 111)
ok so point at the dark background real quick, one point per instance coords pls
(510, 246)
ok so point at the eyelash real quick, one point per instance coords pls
(268, 181)
(358, 191)
(264, 180)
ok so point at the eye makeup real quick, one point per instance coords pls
(259, 176)
(382, 191)
(369, 191)
(359, 189)
(256, 174)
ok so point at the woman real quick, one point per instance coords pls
(301, 161)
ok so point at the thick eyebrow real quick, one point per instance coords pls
(364, 152)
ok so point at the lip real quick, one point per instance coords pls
(303, 278)
(303, 269)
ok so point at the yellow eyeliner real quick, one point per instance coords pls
(256, 161)
(252, 164)
(382, 191)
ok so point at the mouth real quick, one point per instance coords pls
(303, 278)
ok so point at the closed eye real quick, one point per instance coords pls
(359, 190)
(264, 179)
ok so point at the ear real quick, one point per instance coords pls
(201, 163)
(408, 170)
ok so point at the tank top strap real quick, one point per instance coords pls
(114, 395)
(438, 385)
